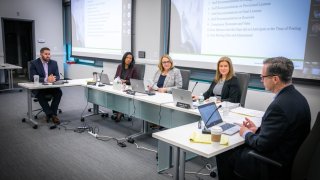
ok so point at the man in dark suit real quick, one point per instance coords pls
(48, 72)
(284, 126)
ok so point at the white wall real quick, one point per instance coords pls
(47, 16)
(148, 32)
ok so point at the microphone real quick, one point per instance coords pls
(194, 87)
(64, 79)
(100, 84)
(205, 130)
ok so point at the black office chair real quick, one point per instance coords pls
(243, 79)
(40, 110)
(141, 70)
(185, 78)
(306, 162)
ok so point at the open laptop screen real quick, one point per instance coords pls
(210, 111)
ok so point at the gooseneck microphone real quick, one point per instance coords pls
(100, 84)
(194, 87)
(64, 79)
(205, 129)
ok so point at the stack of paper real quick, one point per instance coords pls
(247, 112)
(200, 138)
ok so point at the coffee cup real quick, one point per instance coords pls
(216, 133)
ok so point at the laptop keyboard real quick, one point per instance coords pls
(227, 126)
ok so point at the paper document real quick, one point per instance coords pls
(247, 112)
(224, 140)
(200, 138)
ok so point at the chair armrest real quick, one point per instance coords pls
(264, 159)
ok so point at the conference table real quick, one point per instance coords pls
(9, 68)
(158, 109)
(179, 138)
(30, 86)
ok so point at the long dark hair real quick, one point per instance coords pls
(124, 58)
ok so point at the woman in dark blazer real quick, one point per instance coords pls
(225, 84)
(126, 69)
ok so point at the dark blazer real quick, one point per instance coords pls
(132, 73)
(284, 126)
(36, 68)
(230, 90)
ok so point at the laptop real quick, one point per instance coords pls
(138, 86)
(210, 110)
(182, 98)
(105, 79)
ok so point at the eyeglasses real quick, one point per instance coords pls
(165, 62)
(270, 75)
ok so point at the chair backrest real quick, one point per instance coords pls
(243, 79)
(185, 74)
(140, 69)
(29, 75)
(308, 155)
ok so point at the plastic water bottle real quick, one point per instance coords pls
(226, 109)
(201, 98)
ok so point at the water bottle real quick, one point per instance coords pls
(201, 98)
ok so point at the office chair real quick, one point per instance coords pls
(40, 110)
(185, 78)
(141, 70)
(243, 79)
(306, 162)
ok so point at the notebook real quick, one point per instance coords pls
(211, 117)
(183, 98)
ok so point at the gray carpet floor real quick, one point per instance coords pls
(61, 153)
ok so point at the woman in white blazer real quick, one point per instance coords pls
(167, 76)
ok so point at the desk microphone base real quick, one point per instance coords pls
(206, 131)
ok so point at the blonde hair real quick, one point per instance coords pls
(230, 73)
(160, 62)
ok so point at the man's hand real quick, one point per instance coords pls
(250, 125)
(51, 78)
(247, 125)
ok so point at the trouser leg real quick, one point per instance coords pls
(41, 96)
(226, 165)
(56, 94)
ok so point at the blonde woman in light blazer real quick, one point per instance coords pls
(167, 76)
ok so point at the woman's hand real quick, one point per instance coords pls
(162, 90)
(123, 81)
(194, 97)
